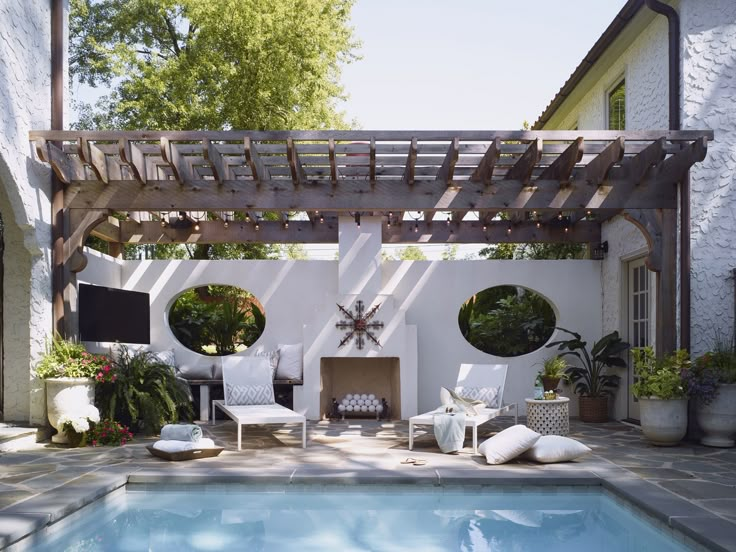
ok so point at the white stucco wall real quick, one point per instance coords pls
(299, 298)
(709, 101)
(25, 69)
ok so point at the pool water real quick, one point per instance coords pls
(364, 518)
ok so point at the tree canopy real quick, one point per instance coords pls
(215, 65)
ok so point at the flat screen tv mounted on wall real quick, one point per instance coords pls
(112, 314)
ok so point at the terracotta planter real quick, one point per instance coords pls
(64, 396)
(718, 419)
(663, 422)
(550, 383)
(593, 409)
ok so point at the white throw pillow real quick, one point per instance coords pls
(555, 448)
(290, 362)
(272, 357)
(167, 357)
(247, 380)
(508, 444)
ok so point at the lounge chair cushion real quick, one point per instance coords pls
(508, 444)
(272, 357)
(242, 395)
(290, 362)
(555, 448)
(489, 395)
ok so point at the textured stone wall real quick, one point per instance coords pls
(709, 101)
(24, 201)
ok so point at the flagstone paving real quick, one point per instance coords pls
(704, 477)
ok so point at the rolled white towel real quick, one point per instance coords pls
(364, 396)
(361, 402)
(364, 408)
(371, 396)
(181, 432)
(379, 408)
(171, 446)
(371, 408)
(341, 408)
(376, 402)
(345, 402)
(350, 408)
(349, 396)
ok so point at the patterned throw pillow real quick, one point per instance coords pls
(240, 395)
(489, 395)
(273, 360)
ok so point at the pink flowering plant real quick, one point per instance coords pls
(109, 432)
(66, 358)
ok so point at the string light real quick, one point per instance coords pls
(127, 216)
(286, 225)
(357, 219)
(163, 220)
(321, 219)
(448, 220)
(559, 215)
(485, 227)
(508, 230)
(247, 217)
(225, 222)
(539, 224)
(182, 215)
(258, 226)
(416, 226)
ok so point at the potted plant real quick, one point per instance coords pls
(76, 425)
(661, 388)
(553, 370)
(69, 371)
(591, 381)
(712, 383)
(145, 394)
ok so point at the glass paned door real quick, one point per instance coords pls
(639, 320)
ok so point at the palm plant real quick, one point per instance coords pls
(591, 379)
(145, 395)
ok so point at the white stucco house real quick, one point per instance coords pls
(632, 55)
(419, 300)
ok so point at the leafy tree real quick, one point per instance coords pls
(294, 251)
(534, 251)
(450, 252)
(220, 64)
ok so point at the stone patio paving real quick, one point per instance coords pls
(40, 482)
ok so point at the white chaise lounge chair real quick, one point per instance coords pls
(248, 381)
(473, 376)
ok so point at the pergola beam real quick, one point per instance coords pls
(306, 232)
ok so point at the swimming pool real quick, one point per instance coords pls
(356, 518)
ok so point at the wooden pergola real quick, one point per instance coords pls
(555, 186)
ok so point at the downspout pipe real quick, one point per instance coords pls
(673, 22)
(57, 188)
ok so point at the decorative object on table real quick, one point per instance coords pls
(550, 395)
(592, 383)
(508, 444)
(549, 416)
(553, 370)
(361, 405)
(555, 448)
(661, 388)
(75, 425)
(359, 325)
(146, 395)
(538, 387)
(712, 384)
(69, 371)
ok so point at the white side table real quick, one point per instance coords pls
(548, 417)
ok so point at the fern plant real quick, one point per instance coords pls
(146, 394)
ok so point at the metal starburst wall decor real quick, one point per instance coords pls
(359, 325)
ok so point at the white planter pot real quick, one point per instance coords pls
(718, 419)
(663, 422)
(65, 396)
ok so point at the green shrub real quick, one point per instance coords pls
(66, 358)
(663, 378)
(146, 394)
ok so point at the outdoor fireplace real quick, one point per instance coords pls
(340, 376)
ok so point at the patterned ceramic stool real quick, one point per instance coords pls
(548, 417)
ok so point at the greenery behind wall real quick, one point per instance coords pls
(507, 321)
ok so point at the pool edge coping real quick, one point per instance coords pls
(45, 509)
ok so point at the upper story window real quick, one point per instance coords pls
(617, 107)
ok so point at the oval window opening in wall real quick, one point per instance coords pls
(216, 320)
(507, 321)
